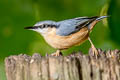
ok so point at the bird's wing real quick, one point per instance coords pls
(70, 26)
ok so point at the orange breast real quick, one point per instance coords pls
(63, 42)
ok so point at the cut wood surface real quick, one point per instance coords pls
(76, 66)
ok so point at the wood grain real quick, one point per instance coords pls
(73, 67)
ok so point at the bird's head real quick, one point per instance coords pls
(43, 27)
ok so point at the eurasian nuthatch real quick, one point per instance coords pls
(67, 33)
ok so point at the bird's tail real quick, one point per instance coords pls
(101, 17)
(96, 19)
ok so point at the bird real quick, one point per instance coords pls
(64, 34)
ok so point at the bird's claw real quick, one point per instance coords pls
(95, 52)
(57, 53)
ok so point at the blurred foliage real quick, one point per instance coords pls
(17, 14)
(114, 22)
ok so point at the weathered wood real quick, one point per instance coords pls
(73, 67)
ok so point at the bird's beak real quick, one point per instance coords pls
(31, 27)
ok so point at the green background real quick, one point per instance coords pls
(17, 14)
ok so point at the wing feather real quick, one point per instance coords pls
(71, 26)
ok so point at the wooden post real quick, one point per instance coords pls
(73, 67)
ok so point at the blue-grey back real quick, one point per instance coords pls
(70, 26)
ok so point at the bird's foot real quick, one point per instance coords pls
(57, 53)
(95, 51)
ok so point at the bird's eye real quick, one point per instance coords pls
(43, 26)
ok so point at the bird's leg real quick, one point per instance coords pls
(95, 52)
(57, 53)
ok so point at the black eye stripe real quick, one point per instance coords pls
(46, 26)
(40, 26)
